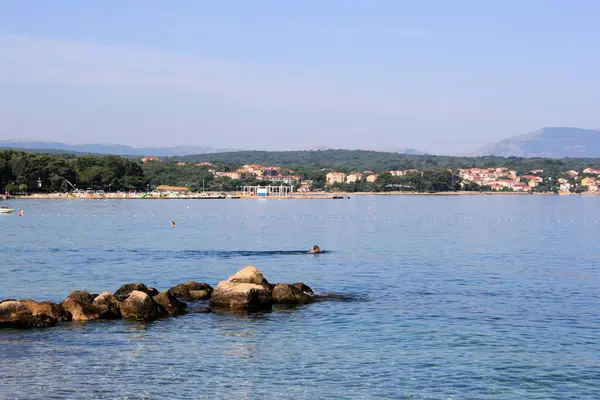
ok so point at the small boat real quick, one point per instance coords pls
(6, 210)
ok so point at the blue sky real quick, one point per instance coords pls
(440, 76)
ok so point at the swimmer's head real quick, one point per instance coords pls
(316, 248)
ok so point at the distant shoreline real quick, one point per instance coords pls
(306, 196)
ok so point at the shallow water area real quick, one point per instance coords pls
(462, 297)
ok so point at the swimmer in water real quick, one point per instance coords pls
(315, 250)
(172, 224)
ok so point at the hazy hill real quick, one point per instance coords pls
(547, 142)
(94, 148)
(116, 149)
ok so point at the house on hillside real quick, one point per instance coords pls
(591, 171)
(372, 178)
(397, 173)
(533, 180)
(270, 171)
(588, 182)
(354, 177)
(230, 175)
(335, 177)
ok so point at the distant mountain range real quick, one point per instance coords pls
(115, 149)
(407, 150)
(554, 142)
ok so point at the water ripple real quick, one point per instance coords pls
(483, 303)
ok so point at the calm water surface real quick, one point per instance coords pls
(455, 298)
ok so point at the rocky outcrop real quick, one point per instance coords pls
(83, 312)
(138, 306)
(245, 290)
(82, 296)
(298, 293)
(252, 275)
(109, 301)
(123, 292)
(240, 296)
(192, 290)
(52, 310)
(169, 303)
(304, 288)
(14, 314)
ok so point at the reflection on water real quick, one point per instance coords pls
(420, 297)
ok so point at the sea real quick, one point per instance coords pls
(435, 297)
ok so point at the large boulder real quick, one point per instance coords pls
(240, 296)
(52, 310)
(82, 296)
(304, 288)
(138, 306)
(170, 303)
(123, 292)
(14, 314)
(284, 293)
(192, 290)
(107, 300)
(252, 275)
(85, 312)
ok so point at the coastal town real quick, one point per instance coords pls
(499, 179)
(33, 175)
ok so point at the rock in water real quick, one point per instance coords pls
(82, 296)
(13, 314)
(192, 290)
(303, 287)
(252, 275)
(240, 296)
(170, 303)
(123, 292)
(106, 299)
(52, 310)
(84, 312)
(246, 290)
(138, 306)
(284, 293)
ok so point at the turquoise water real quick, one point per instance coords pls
(453, 298)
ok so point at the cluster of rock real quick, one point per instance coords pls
(247, 290)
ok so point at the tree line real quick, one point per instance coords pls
(37, 172)
(361, 160)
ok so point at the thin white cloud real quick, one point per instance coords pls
(41, 61)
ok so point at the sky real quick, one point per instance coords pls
(441, 76)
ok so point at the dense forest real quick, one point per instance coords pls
(38, 172)
(361, 160)
(26, 171)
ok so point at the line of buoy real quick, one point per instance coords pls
(284, 218)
